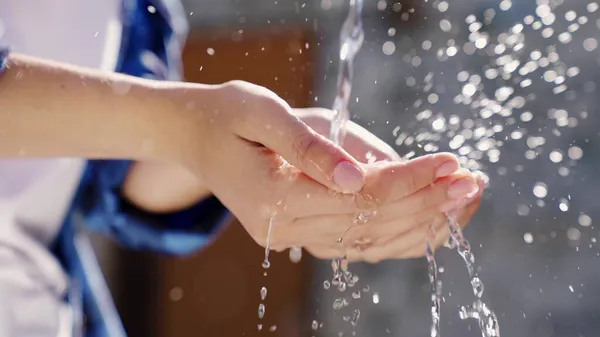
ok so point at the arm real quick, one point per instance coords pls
(54, 110)
(50, 109)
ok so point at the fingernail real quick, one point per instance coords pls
(463, 188)
(349, 177)
(446, 169)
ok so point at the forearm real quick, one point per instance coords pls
(51, 109)
(163, 187)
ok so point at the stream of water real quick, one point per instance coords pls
(351, 39)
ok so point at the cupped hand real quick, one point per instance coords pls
(406, 237)
(262, 161)
(412, 232)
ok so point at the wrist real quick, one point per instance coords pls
(181, 109)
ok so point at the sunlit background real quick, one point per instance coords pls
(510, 86)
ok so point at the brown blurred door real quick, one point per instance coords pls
(216, 293)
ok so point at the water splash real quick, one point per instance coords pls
(263, 293)
(491, 102)
(488, 322)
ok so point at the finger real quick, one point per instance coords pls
(392, 219)
(305, 197)
(469, 198)
(410, 243)
(466, 214)
(383, 232)
(360, 143)
(323, 252)
(442, 235)
(387, 182)
(276, 128)
(454, 187)
(397, 246)
(348, 227)
(389, 219)
(428, 199)
(289, 235)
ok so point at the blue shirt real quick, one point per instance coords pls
(152, 30)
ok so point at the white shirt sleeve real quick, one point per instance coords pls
(81, 32)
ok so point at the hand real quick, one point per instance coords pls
(261, 160)
(365, 147)
(464, 211)
(360, 143)
(414, 232)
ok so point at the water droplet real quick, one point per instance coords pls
(540, 190)
(445, 25)
(339, 303)
(315, 325)
(563, 204)
(375, 298)
(261, 311)
(266, 264)
(523, 210)
(388, 48)
(590, 44)
(573, 234)
(295, 254)
(585, 220)
(355, 317)
(477, 287)
(176, 294)
(263, 293)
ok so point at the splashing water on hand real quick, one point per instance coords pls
(351, 39)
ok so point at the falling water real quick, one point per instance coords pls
(436, 285)
(351, 39)
(488, 95)
(488, 323)
(265, 264)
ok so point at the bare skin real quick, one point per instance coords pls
(237, 141)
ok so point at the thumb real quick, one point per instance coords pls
(305, 149)
(359, 142)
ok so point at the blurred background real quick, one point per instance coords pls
(510, 86)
